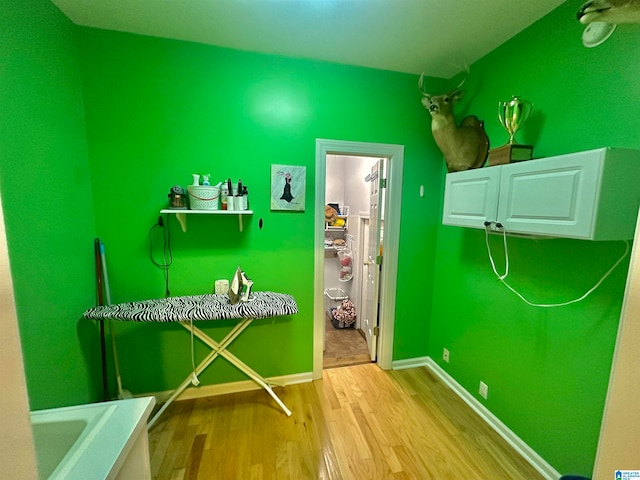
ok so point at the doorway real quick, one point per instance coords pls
(349, 276)
(394, 155)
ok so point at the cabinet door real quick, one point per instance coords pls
(471, 197)
(555, 196)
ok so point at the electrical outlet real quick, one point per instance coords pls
(484, 390)
(445, 355)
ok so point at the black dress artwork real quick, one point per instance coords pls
(286, 193)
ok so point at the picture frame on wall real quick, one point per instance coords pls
(288, 187)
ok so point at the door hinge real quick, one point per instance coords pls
(376, 331)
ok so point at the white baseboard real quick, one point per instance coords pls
(231, 387)
(530, 455)
(410, 363)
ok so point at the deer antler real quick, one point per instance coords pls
(421, 85)
(464, 69)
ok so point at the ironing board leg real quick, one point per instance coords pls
(239, 364)
(220, 349)
(256, 378)
(183, 386)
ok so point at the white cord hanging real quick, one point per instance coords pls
(542, 305)
(506, 252)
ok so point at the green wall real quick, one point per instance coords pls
(547, 369)
(159, 110)
(97, 126)
(46, 197)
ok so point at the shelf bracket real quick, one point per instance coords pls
(182, 220)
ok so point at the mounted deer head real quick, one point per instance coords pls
(465, 146)
(610, 11)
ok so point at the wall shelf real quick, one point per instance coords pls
(181, 215)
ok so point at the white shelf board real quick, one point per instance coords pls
(181, 214)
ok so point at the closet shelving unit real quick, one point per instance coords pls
(334, 232)
(343, 228)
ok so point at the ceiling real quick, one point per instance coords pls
(411, 36)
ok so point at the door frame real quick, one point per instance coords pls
(391, 212)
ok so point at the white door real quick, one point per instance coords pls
(373, 262)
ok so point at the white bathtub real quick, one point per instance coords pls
(96, 441)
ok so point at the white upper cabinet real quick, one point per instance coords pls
(471, 197)
(590, 195)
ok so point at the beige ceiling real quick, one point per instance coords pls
(409, 36)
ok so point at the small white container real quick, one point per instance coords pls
(203, 197)
(222, 287)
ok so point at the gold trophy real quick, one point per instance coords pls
(512, 114)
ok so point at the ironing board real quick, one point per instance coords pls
(187, 309)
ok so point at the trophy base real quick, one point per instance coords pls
(512, 152)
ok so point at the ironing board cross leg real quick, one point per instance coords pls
(183, 386)
(219, 349)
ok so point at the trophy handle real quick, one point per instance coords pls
(502, 106)
(500, 114)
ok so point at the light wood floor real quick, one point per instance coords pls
(359, 422)
(343, 347)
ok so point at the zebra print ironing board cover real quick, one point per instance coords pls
(197, 307)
